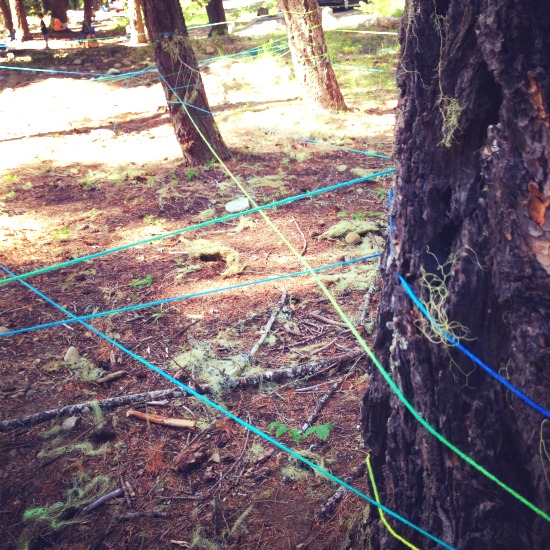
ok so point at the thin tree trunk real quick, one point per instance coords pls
(137, 33)
(310, 55)
(187, 102)
(19, 17)
(5, 11)
(472, 155)
(59, 11)
(88, 16)
(216, 14)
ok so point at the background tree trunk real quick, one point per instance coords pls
(310, 56)
(59, 11)
(136, 23)
(182, 80)
(5, 12)
(88, 16)
(472, 156)
(19, 18)
(216, 14)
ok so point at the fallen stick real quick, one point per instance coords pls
(327, 320)
(280, 375)
(334, 500)
(328, 394)
(110, 377)
(268, 325)
(162, 420)
(304, 247)
(102, 500)
(105, 404)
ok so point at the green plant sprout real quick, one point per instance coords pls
(142, 283)
(322, 431)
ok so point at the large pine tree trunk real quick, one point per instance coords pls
(182, 81)
(472, 156)
(310, 55)
(216, 14)
(137, 35)
(6, 15)
(19, 17)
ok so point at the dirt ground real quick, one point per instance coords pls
(87, 166)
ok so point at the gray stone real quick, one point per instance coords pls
(71, 355)
(117, 65)
(238, 205)
(353, 238)
(69, 423)
(4, 329)
(113, 70)
(77, 62)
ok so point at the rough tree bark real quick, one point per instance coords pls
(5, 12)
(137, 33)
(19, 18)
(310, 55)
(216, 14)
(59, 11)
(182, 80)
(472, 156)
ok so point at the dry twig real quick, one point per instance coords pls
(304, 247)
(268, 325)
(328, 508)
(117, 493)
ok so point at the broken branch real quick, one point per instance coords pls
(102, 500)
(268, 325)
(162, 420)
(280, 375)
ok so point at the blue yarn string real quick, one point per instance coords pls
(469, 354)
(288, 200)
(184, 297)
(230, 415)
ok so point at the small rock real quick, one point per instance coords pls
(30, 393)
(77, 62)
(69, 423)
(113, 70)
(207, 215)
(117, 65)
(127, 62)
(238, 205)
(13, 453)
(4, 329)
(353, 238)
(71, 355)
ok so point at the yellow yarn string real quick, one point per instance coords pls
(382, 516)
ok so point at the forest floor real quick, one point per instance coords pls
(89, 165)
